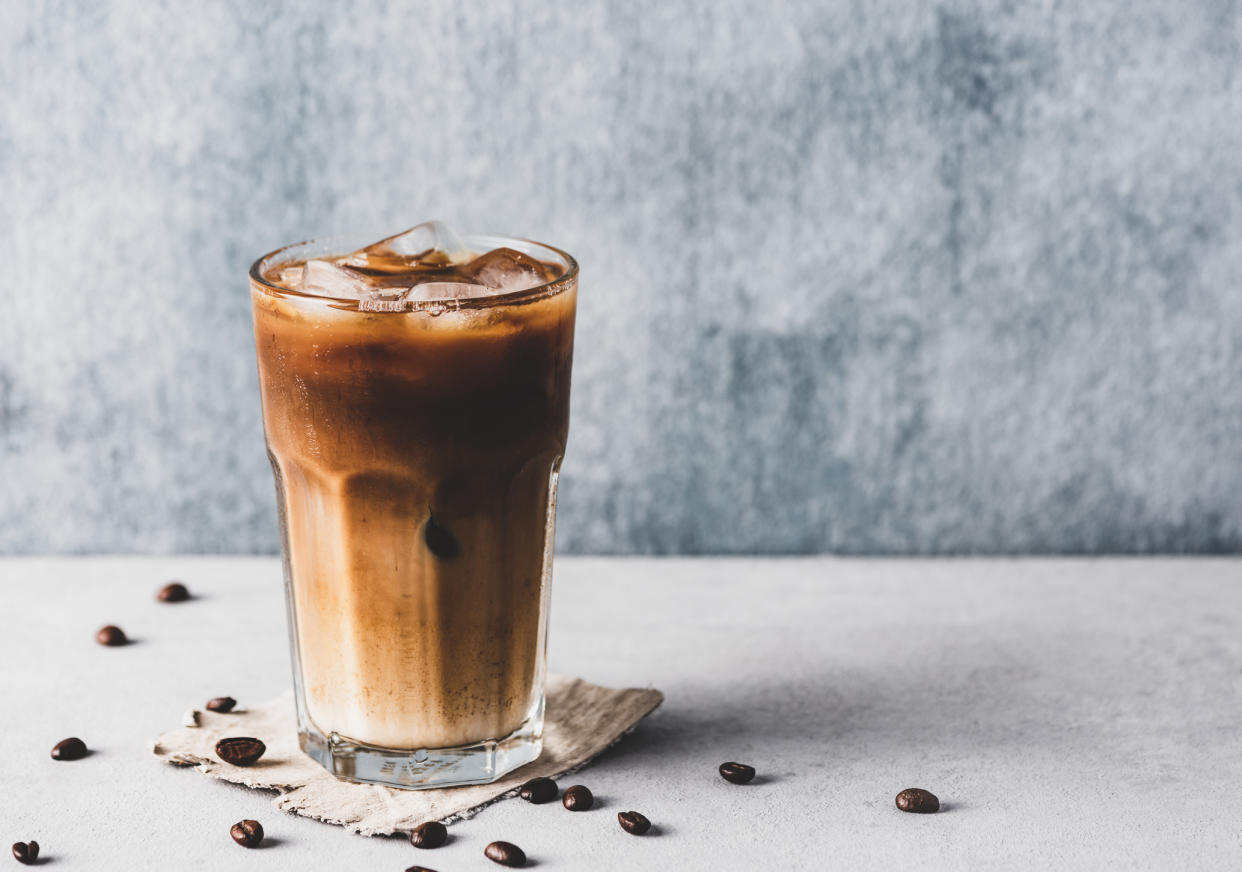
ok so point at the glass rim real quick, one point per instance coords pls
(547, 289)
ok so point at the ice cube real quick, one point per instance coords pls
(454, 290)
(290, 276)
(326, 278)
(430, 244)
(505, 270)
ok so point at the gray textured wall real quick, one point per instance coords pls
(858, 276)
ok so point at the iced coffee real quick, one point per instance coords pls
(416, 404)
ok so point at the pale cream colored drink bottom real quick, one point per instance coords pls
(395, 649)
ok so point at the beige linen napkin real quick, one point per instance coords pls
(582, 720)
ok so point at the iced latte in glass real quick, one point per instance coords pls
(416, 404)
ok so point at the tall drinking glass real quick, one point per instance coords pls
(416, 443)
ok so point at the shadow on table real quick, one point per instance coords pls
(954, 701)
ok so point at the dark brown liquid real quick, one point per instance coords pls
(415, 458)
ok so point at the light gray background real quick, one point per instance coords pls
(857, 276)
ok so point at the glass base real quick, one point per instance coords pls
(479, 763)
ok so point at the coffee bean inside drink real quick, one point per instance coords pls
(416, 405)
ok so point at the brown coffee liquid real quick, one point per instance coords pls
(415, 457)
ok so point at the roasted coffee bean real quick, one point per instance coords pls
(240, 750)
(441, 542)
(111, 636)
(738, 773)
(69, 749)
(432, 834)
(539, 790)
(918, 801)
(26, 852)
(578, 798)
(247, 833)
(506, 854)
(633, 822)
(419, 869)
(173, 592)
(221, 704)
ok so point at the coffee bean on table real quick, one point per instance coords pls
(240, 750)
(69, 749)
(26, 852)
(918, 801)
(432, 834)
(112, 636)
(173, 592)
(221, 704)
(737, 773)
(539, 790)
(578, 798)
(247, 833)
(633, 822)
(506, 854)
(419, 869)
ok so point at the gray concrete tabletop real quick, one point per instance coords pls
(1070, 714)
